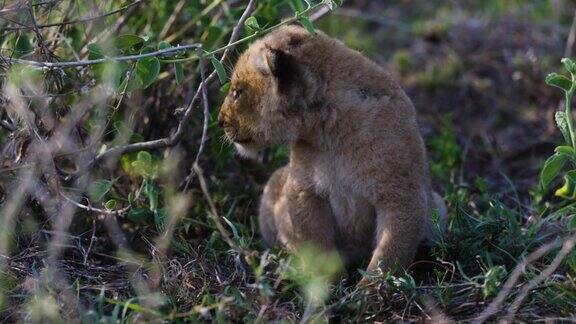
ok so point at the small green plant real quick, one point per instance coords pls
(565, 155)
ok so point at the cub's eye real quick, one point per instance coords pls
(236, 94)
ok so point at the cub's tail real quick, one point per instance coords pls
(437, 208)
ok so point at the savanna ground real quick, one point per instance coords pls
(96, 229)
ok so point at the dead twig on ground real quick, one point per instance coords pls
(567, 247)
(494, 307)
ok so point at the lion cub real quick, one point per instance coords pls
(357, 181)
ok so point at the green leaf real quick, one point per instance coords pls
(308, 25)
(140, 168)
(143, 165)
(111, 73)
(76, 35)
(233, 228)
(552, 167)
(297, 5)
(95, 51)
(21, 45)
(160, 218)
(129, 42)
(179, 72)
(145, 157)
(560, 81)
(567, 190)
(139, 214)
(131, 198)
(225, 88)
(566, 150)
(98, 189)
(220, 70)
(211, 36)
(20, 75)
(163, 45)
(493, 280)
(152, 194)
(572, 223)
(562, 124)
(569, 65)
(252, 23)
(147, 70)
(110, 204)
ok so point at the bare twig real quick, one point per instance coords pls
(236, 31)
(216, 217)
(92, 239)
(80, 20)
(206, 112)
(39, 38)
(102, 60)
(319, 13)
(514, 277)
(94, 209)
(567, 247)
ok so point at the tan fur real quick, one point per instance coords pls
(357, 180)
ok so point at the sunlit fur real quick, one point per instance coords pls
(357, 179)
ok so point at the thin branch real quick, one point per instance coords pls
(80, 20)
(39, 38)
(102, 60)
(319, 14)
(494, 307)
(93, 209)
(566, 249)
(237, 30)
(206, 112)
(215, 215)
(92, 240)
(233, 37)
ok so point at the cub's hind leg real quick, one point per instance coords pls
(294, 215)
(268, 203)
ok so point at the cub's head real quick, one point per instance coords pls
(268, 91)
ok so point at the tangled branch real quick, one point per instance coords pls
(106, 59)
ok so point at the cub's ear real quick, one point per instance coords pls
(278, 64)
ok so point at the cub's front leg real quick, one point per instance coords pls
(291, 213)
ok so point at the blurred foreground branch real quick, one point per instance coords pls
(69, 22)
(103, 60)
